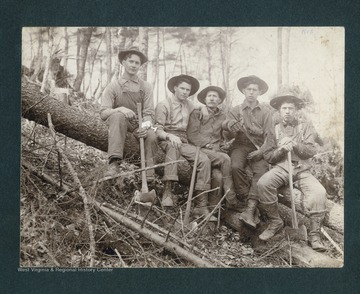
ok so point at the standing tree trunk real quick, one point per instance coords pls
(286, 55)
(108, 54)
(143, 47)
(225, 50)
(44, 83)
(164, 60)
(279, 59)
(208, 57)
(84, 36)
(66, 49)
(39, 56)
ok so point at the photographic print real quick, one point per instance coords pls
(182, 147)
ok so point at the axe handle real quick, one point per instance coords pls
(144, 187)
(192, 184)
(293, 211)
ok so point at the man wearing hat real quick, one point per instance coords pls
(206, 132)
(119, 110)
(172, 117)
(298, 137)
(251, 124)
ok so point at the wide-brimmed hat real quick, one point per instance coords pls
(241, 83)
(289, 97)
(201, 96)
(132, 50)
(195, 85)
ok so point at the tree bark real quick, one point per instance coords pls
(44, 83)
(279, 59)
(81, 126)
(108, 54)
(66, 49)
(143, 47)
(83, 45)
(39, 56)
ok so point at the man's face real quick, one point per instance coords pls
(212, 99)
(287, 111)
(182, 91)
(252, 92)
(132, 64)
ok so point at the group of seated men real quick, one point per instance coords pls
(177, 126)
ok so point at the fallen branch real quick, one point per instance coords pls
(148, 234)
(81, 191)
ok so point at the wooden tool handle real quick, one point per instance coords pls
(293, 211)
(144, 187)
(192, 184)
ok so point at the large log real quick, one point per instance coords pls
(79, 125)
(232, 218)
(302, 254)
(334, 218)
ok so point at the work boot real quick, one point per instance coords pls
(314, 234)
(276, 223)
(201, 209)
(167, 198)
(250, 215)
(113, 168)
(232, 202)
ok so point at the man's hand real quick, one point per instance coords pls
(255, 155)
(140, 133)
(214, 147)
(235, 127)
(175, 140)
(129, 114)
(286, 148)
(204, 113)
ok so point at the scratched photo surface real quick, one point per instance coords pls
(99, 188)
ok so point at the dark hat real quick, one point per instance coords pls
(201, 96)
(241, 83)
(289, 97)
(132, 50)
(194, 83)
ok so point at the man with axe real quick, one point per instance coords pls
(119, 110)
(172, 117)
(251, 124)
(297, 137)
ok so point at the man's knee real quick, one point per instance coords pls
(316, 200)
(237, 165)
(117, 117)
(204, 160)
(151, 137)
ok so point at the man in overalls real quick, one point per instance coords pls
(119, 110)
(298, 137)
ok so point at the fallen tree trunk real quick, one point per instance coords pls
(303, 255)
(92, 131)
(81, 126)
(148, 234)
(334, 218)
(232, 218)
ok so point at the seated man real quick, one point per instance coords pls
(207, 134)
(172, 116)
(119, 110)
(297, 137)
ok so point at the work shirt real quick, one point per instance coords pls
(172, 116)
(257, 121)
(119, 93)
(201, 131)
(304, 135)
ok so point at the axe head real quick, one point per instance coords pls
(299, 234)
(145, 197)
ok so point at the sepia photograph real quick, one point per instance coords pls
(182, 147)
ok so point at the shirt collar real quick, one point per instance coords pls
(134, 79)
(245, 104)
(293, 123)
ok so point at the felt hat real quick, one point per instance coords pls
(194, 83)
(132, 50)
(201, 96)
(286, 96)
(242, 82)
